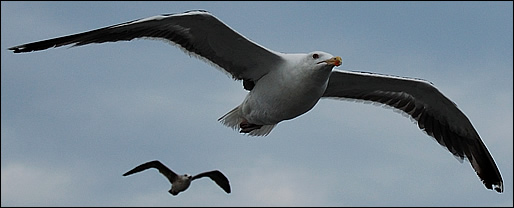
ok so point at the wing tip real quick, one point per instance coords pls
(17, 49)
(498, 187)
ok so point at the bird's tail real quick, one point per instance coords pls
(263, 131)
(234, 118)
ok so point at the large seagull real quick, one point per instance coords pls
(283, 86)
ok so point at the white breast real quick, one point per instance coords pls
(284, 94)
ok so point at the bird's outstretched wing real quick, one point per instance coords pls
(196, 32)
(217, 177)
(157, 165)
(434, 113)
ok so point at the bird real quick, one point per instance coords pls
(283, 86)
(180, 183)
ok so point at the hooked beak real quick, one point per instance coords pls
(335, 61)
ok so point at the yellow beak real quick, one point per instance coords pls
(336, 61)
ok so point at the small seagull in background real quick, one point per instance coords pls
(180, 183)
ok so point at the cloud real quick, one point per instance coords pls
(26, 185)
(271, 182)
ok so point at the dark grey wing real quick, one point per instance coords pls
(217, 177)
(157, 165)
(438, 116)
(196, 32)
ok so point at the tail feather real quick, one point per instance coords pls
(263, 131)
(234, 118)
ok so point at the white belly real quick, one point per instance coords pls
(272, 101)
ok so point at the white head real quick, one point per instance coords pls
(314, 64)
(320, 57)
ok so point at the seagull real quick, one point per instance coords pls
(180, 183)
(283, 86)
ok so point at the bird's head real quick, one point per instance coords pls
(188, 176)
(326, 59)
(334, 61)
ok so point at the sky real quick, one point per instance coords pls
(73, 120)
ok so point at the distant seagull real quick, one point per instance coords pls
(180, 183)
(284, 86)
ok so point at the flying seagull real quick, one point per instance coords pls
(283, 86)
(180, 183)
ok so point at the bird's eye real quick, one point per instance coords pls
(315, 56)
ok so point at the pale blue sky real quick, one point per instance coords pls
(74, 120)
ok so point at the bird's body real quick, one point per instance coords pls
(283, 94)
(284, 86)
(180, 183)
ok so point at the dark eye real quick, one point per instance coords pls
(315, 56)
